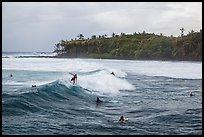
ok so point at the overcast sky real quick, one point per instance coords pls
(37, 26)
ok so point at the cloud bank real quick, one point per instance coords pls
(37, 26)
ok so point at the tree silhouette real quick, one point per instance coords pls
(80, 36)
(113, 35)
(182, 30)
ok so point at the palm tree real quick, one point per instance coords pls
(113, 35)
(80, 36)
(182, 30)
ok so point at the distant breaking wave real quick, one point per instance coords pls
(173, 69)
(27, 54)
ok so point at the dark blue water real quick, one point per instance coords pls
(159, 105)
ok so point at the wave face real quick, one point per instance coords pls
(39, 99)
(89, 84)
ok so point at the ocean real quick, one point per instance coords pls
(153, 95)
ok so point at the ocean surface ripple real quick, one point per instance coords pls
(156, 103)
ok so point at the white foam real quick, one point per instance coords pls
(26, 83)
(181, 69)
(104, 83)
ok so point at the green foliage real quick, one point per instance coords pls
(136, 46)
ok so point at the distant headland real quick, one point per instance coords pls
(137, 46)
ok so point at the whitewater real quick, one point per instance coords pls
(154, 95)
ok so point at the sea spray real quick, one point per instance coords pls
(103, 82)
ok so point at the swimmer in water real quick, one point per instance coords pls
(98, 100)
(122, 119)
(191, 94)
(113, 73)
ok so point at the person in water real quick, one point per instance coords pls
(98, 100)
(191, 94)
(113, 73)
(123, 119)
(11, 75)
(74, 78)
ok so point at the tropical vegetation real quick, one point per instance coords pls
(140, 46)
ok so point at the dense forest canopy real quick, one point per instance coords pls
(141, 46)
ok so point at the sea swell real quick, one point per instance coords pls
(37, 99)
(154, 102)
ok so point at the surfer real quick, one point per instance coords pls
(98, 100)
(74, 78)
(113, 73)
(123, 119)
(11, 75)
(191, 94)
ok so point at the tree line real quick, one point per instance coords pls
(141, 46)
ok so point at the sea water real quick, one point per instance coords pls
(153, 95)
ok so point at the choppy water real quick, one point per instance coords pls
(154, 95)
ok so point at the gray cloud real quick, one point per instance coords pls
(33, 26)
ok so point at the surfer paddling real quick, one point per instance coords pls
(113, 73)
(122, 119)
(74, 78)
(98, 100)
